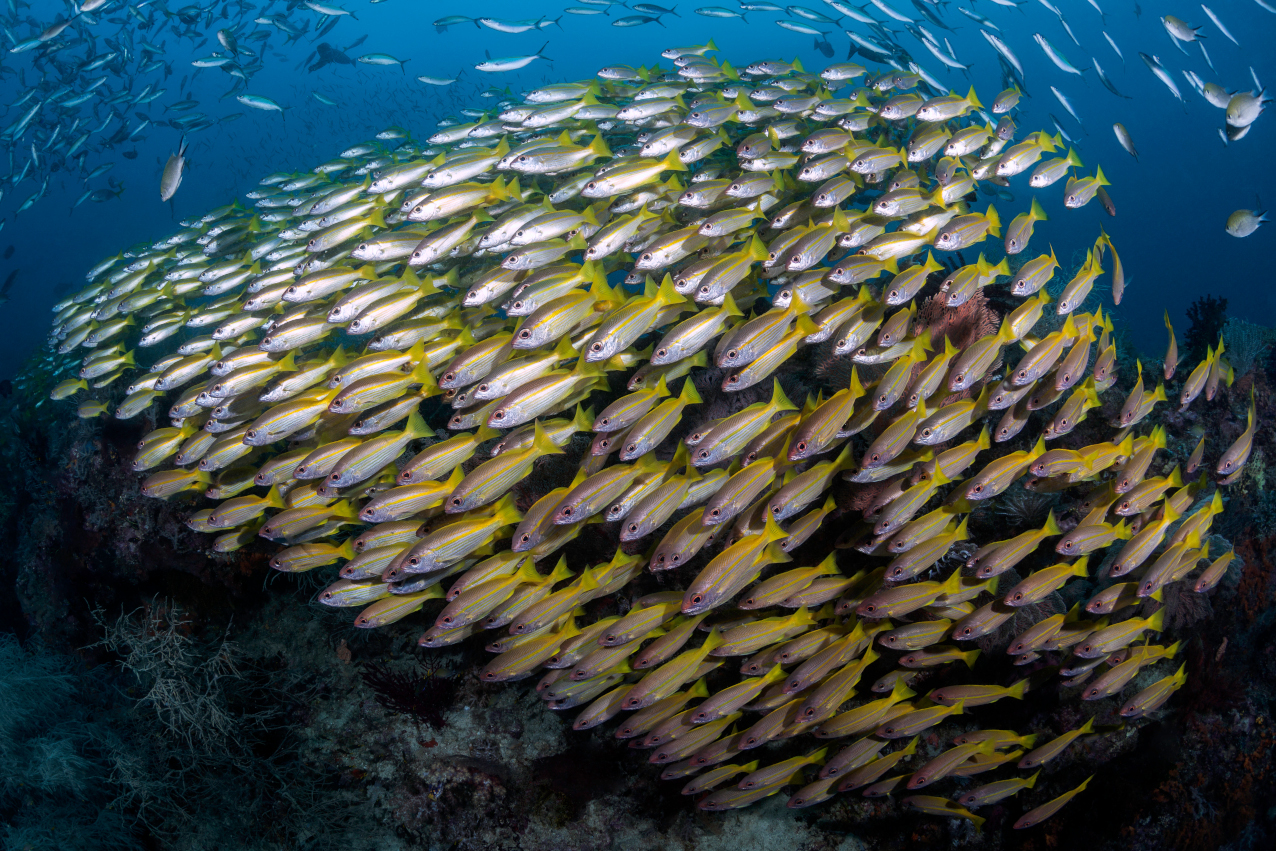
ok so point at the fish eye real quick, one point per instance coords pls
(456, 500)
(524, 334)
(675, 558)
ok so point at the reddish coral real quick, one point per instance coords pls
(1254, 593)
(963, 325)
(863, 495)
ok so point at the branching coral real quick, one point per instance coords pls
(185, 684)
(422, 694)
(1207, 317)
(1246, 343)
(963, 325)
(1020, 507)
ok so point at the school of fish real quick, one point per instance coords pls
(79, 80)
(371, 363)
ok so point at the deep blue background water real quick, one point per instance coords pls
(1172, 203)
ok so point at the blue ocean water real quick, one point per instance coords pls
(1171, 203)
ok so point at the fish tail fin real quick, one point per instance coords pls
(542, 444)
(583, 420)
(715, 640)
(953, 584)
(994, 221)
(666, 295)
(559, 573)
(416, 427)
(779, 401)
(900, 691)
(506, 513)
(274, 498)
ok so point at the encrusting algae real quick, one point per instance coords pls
(591, 262)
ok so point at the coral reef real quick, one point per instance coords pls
(297, 713)
(1020, 507)
(208, 758)
(1246, 343)
(502, 773)
(961, 325)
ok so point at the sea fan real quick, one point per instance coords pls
(423, 693)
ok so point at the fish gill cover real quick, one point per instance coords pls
(714, 396)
